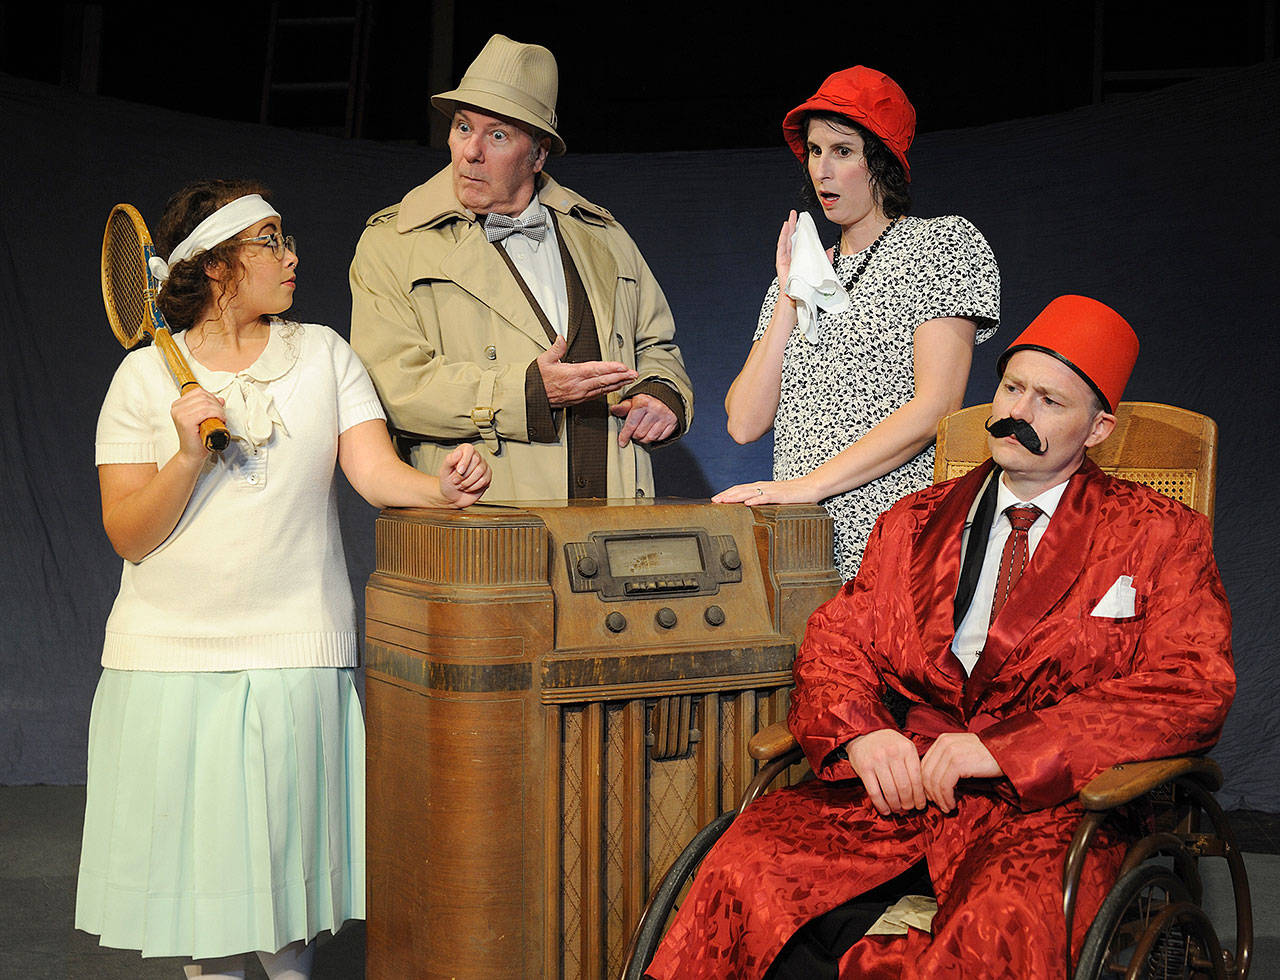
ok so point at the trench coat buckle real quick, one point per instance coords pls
(482, 417)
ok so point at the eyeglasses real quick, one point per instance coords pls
(274, 242)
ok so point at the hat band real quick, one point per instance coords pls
(1106, 402)
(510, 93)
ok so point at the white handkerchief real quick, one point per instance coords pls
(916, 911)
(1118, 603)
(812, 281)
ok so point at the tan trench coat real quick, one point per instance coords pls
(447, 335)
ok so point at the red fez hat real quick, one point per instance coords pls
(868, 97)
(1087, 336)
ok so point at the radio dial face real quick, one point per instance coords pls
(652, 563)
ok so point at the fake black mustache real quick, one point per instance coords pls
(1020, 430)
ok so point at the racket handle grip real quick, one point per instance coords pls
(214, 434)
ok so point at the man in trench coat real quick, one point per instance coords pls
(1114, 645)
(494, 306)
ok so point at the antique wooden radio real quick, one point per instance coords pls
(558, 697)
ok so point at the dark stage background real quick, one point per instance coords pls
(1165, 207)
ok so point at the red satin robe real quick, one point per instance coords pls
(1057, 696)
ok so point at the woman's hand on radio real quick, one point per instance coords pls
(464, 476)
(767, 492)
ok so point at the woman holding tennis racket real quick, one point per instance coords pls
(225, 801)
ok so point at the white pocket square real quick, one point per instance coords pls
(1118, 603)
(916, 911)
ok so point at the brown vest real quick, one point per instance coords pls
(586, 424)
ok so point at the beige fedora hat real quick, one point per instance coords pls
(513, 80)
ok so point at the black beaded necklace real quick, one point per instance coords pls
(866, 259)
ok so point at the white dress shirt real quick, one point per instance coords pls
(971, 637)
(540, 266)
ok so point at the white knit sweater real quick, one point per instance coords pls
(254, 573)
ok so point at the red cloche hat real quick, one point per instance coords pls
(868, 97)
(1089, 337)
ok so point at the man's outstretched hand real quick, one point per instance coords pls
(573, 384)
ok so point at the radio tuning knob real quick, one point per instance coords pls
(714, 616)
(666, 617)
(616, 622)
(587, 566)
(730, 560)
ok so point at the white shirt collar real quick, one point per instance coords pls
(1047, 500)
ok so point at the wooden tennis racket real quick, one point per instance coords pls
(129, 294)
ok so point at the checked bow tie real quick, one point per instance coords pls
(500, 226)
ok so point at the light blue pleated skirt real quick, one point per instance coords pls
(224, 810)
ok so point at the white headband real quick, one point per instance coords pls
(215, 229)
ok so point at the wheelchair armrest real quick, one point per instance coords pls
(1127, 781)
(771, 742)
(778, 749)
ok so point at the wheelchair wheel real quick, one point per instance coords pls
(1148, 927)
(666, 900)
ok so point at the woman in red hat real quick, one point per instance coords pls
(854, 394)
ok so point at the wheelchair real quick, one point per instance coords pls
(1151, 924)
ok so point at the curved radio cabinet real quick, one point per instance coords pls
(558, 696)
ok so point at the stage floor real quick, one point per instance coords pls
(40, 849)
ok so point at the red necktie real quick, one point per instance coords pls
(1013, 561)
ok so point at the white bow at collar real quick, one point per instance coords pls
(251, 409)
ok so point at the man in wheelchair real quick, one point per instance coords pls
(1113, 645)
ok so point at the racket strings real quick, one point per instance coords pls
(126, 279)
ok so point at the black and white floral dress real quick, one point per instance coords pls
(860, 369)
